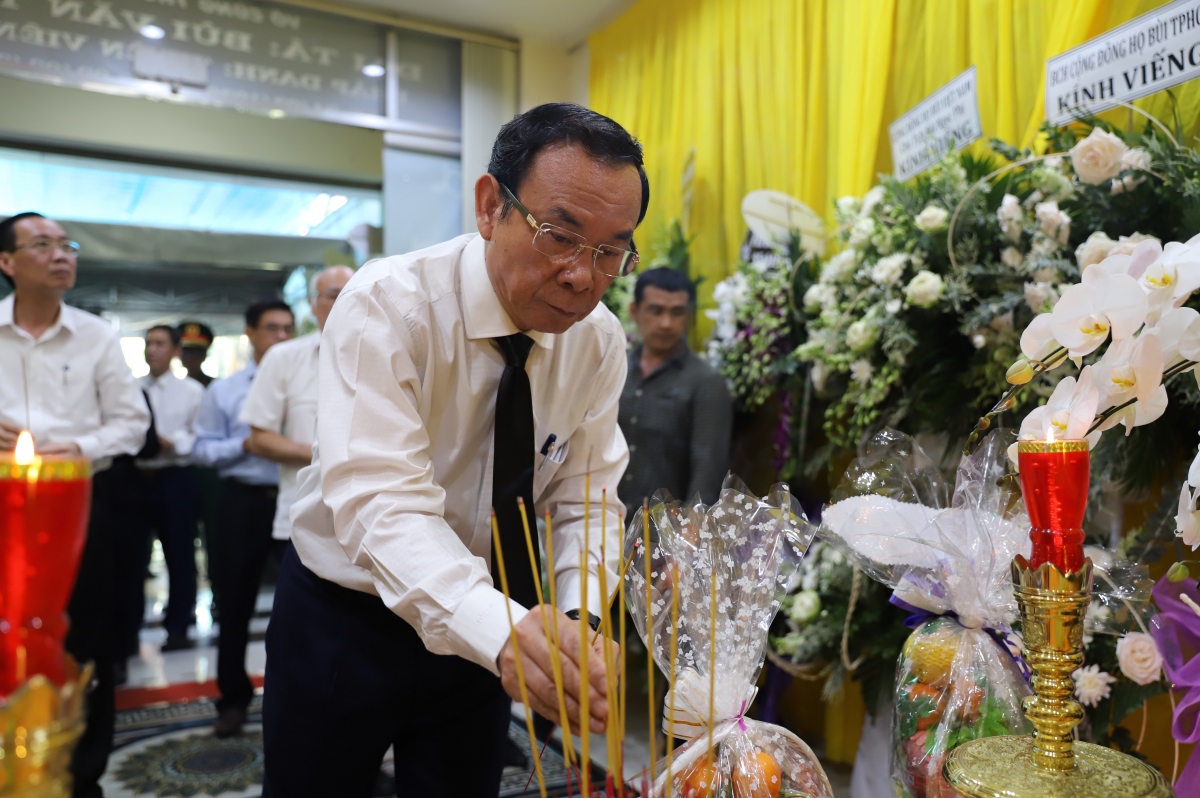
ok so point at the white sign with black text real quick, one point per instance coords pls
(1156, 51)
(948, 118)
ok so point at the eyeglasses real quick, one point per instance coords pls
(44, 246)
(276, 329)
(564, 246)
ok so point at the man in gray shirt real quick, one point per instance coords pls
(676, 412)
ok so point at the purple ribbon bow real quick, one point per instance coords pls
(1004, 636)
(1176, 630)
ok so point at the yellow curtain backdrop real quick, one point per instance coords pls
(797, 95)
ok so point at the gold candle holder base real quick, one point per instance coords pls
(1050, 763)
(39, 726)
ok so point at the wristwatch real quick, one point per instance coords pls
(593, 620)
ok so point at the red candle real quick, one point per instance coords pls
(44, 504)
(1054, 480)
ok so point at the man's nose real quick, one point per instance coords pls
(578, 275)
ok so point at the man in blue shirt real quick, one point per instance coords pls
(242, 539)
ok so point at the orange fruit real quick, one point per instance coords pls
(701, 780)
(919, 690)
(931, 651)
(757, 775)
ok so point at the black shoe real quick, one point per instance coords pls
(120, 672)
(229, 722)
(176, 641)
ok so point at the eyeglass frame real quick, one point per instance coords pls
(634, 257)
(67, 246)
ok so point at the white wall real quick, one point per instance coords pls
(489, 99)
(552, 73)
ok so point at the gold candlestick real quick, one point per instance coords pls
(39, 725)
(1049, 763)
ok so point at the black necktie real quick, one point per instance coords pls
(512, 469)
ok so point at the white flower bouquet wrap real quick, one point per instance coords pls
(716, 576)
(959, 676)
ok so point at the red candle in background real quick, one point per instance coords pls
(44, 504)
(1054, 480)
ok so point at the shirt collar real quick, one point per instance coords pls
(681, 354)
(483, 315)
(65, 316)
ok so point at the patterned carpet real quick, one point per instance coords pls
(170, 751)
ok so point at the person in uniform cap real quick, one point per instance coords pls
(454, 380)
(195, 338)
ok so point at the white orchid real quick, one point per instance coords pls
(1171, 277)
(1138, 414)
(1130, 369)
(1070, 412)
(1179, 333)
(1187, 520)
(1193, 477)
(1101, 304)
(1037, 342)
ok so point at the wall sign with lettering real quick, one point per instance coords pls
(949, 117)
(1156, 51)
(236, 53)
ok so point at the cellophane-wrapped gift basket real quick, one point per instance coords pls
(703, 603)
(960, 675)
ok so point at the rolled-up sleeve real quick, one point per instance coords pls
(265, 404)
(599, 440)
(126, 419)
(377, 479)
(214, 447)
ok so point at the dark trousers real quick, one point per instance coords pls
(89, 638)
(346, 678)
(166, 507)
(241, 544)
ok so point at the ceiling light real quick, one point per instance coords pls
(152, 31)
(373, 71)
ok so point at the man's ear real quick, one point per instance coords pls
(6, 264)
(633, 310)
(488, 205)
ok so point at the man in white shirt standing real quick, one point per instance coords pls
(281, 407)
(454, 380)
(166, 498)
(66, 381)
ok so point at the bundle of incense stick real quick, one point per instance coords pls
(702, 595)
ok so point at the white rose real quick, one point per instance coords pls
(932, 218)
(848, 206)
(860, 335)
(888, 270)
(861, 371)
(1053, 162)
(1138, 657)
(1098, 157)
(1097, 247)
(1126, 244)
(819, 374)
(1137, 158)
(819, 296)
(873, 198)
(925, 289)
(861, 232)
(840, 267)
(1011, 257)
(1040, 295)
(892, 306)
(1053, 222)
(1011, 217)
(806, 606)
(1127, 183)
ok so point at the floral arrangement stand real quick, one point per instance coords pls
(1049, 762)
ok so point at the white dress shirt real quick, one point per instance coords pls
(397, 500)
(283, 399)
(71, 385)
(176, 403)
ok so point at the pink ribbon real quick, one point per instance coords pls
(741, 717)
(1176, 631)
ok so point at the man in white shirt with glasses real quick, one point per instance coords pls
(63, 377)
(454, 380)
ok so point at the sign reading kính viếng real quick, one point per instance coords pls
(949, 117)
(234, 53)
(1156, 51)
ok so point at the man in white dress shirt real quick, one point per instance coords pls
(166, 497)
(445, 374)
(64, 379)
(281, 407)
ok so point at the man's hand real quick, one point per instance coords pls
(8, 436)
(539, 673)
(167, 445)
(63, 447)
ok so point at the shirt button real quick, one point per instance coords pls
(633, 420)
(632, 449)
(629, 477)
(638, 392)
